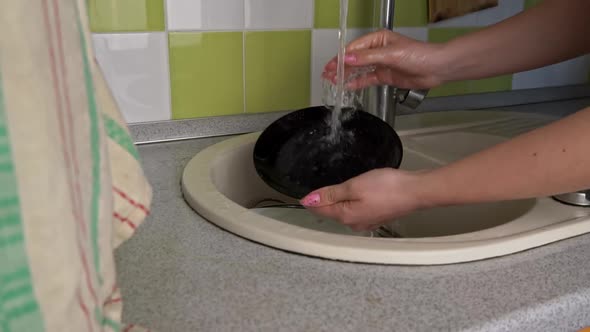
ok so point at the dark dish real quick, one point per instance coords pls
(295, 155)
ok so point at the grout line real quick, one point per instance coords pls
(211, 30)
(244, 110)
(167, 58)
(244, 68)
(311, 53)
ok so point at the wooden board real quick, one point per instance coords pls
(439, 10)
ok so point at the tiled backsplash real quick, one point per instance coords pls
(176, 59)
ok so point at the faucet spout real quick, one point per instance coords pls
(383, 100)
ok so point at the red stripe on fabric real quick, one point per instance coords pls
(128, 328)
(71, 128)
(124, 220)
(87, 273)
(131, 201)
(85, 310)
(111, 301)
(57, 93)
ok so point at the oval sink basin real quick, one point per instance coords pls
(221, 184)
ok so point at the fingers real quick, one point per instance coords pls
(361, 58)
(359, 82)
(334, 211)
(328, 196)
(372, 40)
(364, 81)
(379, 59)
(332, 65)
(371, 57)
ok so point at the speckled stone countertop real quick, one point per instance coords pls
(182, 273)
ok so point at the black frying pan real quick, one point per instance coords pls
(295, 157)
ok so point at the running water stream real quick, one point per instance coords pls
(335, 123)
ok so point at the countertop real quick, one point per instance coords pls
(182, 273)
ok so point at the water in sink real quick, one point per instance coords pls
(303, 218)
(429, 223)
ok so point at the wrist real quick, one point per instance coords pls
(429, 189)
(449, 65)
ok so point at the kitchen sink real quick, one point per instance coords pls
(221, 184)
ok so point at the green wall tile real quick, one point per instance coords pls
(126, 15)
(277, 70)
(360, 14)
(450, 89)
(531, 3)
(411, 13)
(441, 35)
(500, 83)
(206, 74)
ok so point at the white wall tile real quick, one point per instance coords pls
(279, 14)
(136, 68)
(504, 10)
(325, 47)
(574, 71)
(205, 14)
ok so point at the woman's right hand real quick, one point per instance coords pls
(398, 61)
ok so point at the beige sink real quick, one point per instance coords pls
(220, 183)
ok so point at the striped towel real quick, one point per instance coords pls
(71, 184)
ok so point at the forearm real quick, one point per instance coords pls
(547, 161)
(554, 31)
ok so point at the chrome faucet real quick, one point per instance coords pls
(383, 101)
(578, 198)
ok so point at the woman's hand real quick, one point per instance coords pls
(369, 200)
(522, 42)
(398, 61)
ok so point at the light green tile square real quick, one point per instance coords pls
(206, 74)
(499, 83)
(450, 89)
(441, 35)
(126, 15)
(278, 69)
(411, 13)
(360, 14)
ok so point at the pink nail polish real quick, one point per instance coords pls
(311, 200)
(350, 58)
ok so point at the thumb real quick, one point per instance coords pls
(327, 196)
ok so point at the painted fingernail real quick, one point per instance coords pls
(311, 200)
(351, 58)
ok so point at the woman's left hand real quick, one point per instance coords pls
(369, 200)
